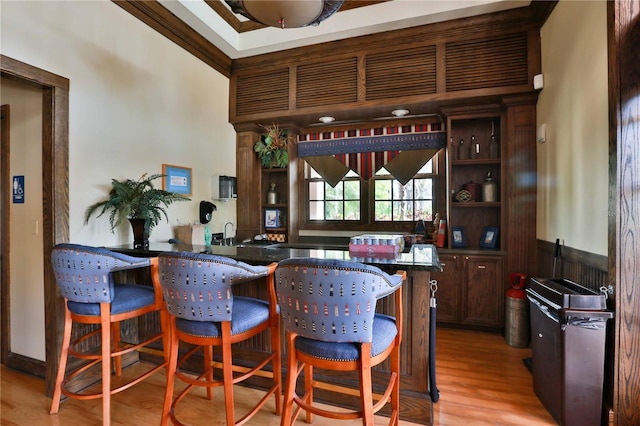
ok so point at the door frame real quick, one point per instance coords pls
(55, 204)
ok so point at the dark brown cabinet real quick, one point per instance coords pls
(483, 291)
(449, 289)
(470, 290)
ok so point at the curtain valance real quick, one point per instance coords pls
(403, 150)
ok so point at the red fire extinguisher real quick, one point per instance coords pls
(517, 332)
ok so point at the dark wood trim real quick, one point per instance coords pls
(5, 244)
(28, 74)
(166, 23)
(623, 28)
(25, 364)
(577, 265)
(55, 190)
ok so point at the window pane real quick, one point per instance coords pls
(427, 168)
(424, 189)
(402, 210)
(402, 192)
(333, 193)
(352, 190)
(316, 210)
(334, 210)
(352, 210)
(382, 211)
(424, 210)
(382, 189)
(316, 190)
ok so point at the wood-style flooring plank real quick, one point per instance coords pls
(482, 381)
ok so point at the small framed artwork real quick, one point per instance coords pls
(458, 237)
(272, 218)
(489, 238)
(176, 179)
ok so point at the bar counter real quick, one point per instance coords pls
(415, 403)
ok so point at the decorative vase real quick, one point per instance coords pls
(272, 194)
(140, 233)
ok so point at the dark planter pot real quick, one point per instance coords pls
(140, 232)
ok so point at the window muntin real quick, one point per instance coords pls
(339, 203)
(411, 202)
(389, 200)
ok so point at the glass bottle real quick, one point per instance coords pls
(494, 148)
(462, 150)
(474, 148)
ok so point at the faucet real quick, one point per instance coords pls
(227, 240)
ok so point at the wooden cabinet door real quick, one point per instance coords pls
(448, 295)
(483, 295)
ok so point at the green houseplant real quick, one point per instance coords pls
(272, 148)
(139, 202)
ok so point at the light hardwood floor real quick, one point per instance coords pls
(482, 381)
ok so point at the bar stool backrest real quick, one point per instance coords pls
(199, 287)
(331, 300)
(84, 273)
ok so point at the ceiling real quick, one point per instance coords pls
(236, 37)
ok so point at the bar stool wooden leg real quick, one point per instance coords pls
(62, 365)
(106, 362)
(171, 372)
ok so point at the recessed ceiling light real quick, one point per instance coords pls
(400, 112)
(327, 119)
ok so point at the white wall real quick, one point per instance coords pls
(25, 227)
(573, 163)
(136, 101)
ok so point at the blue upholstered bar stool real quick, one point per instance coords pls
(84, 276)
(198, 290)
(328, 312)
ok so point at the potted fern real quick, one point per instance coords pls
(273, 147)
(139, 202)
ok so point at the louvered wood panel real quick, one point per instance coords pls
(488, 63)
(263, 92)
(400, 73)
(328, 83)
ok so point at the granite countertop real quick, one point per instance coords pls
(421, 257)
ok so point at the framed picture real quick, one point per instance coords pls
(176, 179)
(458, 237)
(489, 238)
(272, 218)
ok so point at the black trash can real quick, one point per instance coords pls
(568, 333)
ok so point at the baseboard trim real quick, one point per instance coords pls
(27, 365)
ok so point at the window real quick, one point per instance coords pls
(339, 203)
(411, 202)
(352, 199)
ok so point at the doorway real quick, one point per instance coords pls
(55, 205)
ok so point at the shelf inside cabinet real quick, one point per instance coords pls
(476, 204)
(476, 162)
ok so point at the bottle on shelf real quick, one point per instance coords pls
(462, 150)
(494, 148)
(272, 194)
(489, 189)
(474, 148)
